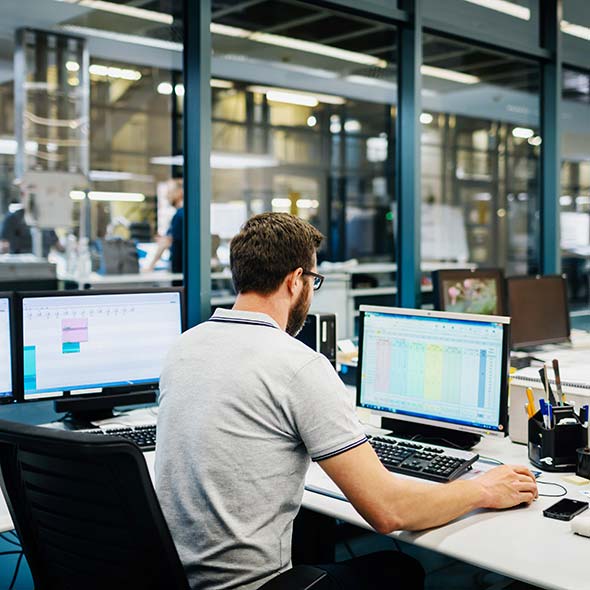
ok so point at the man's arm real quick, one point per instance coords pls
(390, 503)
(164, 242)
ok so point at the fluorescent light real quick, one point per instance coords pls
(164, 88)
(125, 10)
(123, 37)
(451, 75)
(113, 72)
(311, 121)
(112, 196)
(280, 203)
(179, 89)
(352, 126)
(77, 195)
(72, 66)
(307, 204)
(575, 30)
(215, 83)
(292, 98)
(219, 29)
(299, 45)
(325, 98)
(510, 8)
(426, 118)
(535, 140)
(523, 132)
(224, 161)
(115, 176)
(9, 147)
(583, 200)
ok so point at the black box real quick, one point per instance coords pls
(319, 333)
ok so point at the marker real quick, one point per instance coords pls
(545, 380)
(558, 381)
(550, 416)
(544, 412)
(531, 405)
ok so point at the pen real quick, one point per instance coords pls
(558, 381)
(545, 380)
(544, 411)
(531, 404)
(550, 416)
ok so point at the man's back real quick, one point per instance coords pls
(243, 406)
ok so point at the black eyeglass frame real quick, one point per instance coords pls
(318, 280)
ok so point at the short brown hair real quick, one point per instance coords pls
(268, 247)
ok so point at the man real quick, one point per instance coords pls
(173, 237)
(243, 408)
(16, 238)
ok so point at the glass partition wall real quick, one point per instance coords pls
(480, 157)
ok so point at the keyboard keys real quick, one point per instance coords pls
(422, 460)
(143, 436)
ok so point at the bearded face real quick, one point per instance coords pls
(298, 312)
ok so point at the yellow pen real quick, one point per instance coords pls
(531, 405)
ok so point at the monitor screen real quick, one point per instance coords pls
(5, 350)
(469, 291)
(83, 341)
(539, 309)
(435, 368)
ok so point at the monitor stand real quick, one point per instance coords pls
(437, 435)
(82, 410)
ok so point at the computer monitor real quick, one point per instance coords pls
(6, 349)
(434, 375)
(539, 309)
(88, 342)
(478, 291)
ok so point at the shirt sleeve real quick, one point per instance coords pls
(319, 410)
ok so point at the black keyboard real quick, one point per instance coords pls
(421, 459)
(143, 436)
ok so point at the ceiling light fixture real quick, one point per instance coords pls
(292, 98)
(522, 132)
(124, 10)
(451, 75)
(123, 38)
(224, 161)
(299, 45)
(325, 98)
(426, 118)
(72, 66)
(165, 88)
(116, 196)
(113, 72)
(510, 8)
(216, 83)
(575, 30)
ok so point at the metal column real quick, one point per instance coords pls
(551, 12)
(409, 194)
(197, 171)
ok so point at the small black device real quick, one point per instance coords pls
(319, 333)
(565, 509)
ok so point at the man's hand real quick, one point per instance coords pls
(507, 486)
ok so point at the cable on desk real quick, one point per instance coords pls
(491, 460)
(551, 483)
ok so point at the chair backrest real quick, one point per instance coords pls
(86, 511)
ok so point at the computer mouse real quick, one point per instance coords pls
(581, 526)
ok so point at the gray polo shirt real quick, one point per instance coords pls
(243, 408)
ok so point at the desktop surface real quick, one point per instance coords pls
(441, 369)
(5, 349)
(76, 342)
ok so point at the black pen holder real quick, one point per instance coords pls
(554, 449)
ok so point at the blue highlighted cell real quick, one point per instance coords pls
(30, 367)
(70, 347)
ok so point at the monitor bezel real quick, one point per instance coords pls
(441, 275)
(470, 317)
(12, 343)
(563, 279)
(107, 391)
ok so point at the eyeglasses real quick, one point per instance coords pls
(317, 279)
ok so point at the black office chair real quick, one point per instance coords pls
(88, 517)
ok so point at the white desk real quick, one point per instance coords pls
(518, 543)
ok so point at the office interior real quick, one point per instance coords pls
(416, 135)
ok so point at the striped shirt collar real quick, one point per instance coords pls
(244, 317)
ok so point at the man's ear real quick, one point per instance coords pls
(292, 280)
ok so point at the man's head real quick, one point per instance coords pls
(175, 193)
(272, 251)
